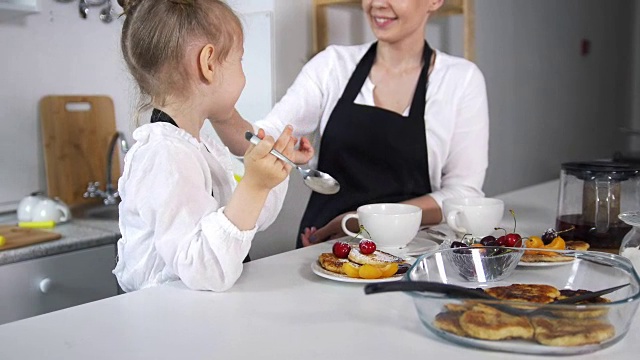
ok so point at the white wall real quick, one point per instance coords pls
(548, 104)
(52, 52)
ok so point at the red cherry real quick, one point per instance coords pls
(502, 241)
(341, 249)
(367, 246)
(513, 239)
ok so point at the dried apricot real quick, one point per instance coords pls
(367, 271)
(534, 242)
(350, 270)
(556, 244)
(389, 270)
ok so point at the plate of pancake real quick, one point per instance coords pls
(553, 259)
(330, 266)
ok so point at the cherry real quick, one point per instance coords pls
(551, 234)
(341, 249)
(548, 236)
(367, 246)
(460, 247)
(512, 240)
(458, 244)
(489, 241)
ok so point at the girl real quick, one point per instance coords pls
(182, 217)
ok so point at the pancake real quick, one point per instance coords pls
(449, 321)
(487, 323)
(571, 332)
(531, 258)
(577, 245)
(378, 258)
(332, 263)
(459, 307)
(591, 313)
(536, 293)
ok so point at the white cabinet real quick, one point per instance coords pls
(56, 282)
(19, 6)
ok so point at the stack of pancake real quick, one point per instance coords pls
(332, 263)
(573, 327)
(555, 257)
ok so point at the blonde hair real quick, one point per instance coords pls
(155, 36)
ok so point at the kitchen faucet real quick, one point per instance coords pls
(109, 195)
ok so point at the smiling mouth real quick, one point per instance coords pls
(382, 21)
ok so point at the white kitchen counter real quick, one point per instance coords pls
(278, 310)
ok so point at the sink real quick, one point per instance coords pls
(100, 212)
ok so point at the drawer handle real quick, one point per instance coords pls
(45, 285)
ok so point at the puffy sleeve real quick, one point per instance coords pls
(303, 104)
(273, 205)
(466, 163)
(190, 231)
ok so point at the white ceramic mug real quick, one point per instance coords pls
(476, 216)
(391, 226)
(50, 210)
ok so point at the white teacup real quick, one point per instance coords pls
(476, 216)
(50, 210)
(391, 226)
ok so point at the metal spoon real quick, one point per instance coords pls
(469, 293)
(316, 180)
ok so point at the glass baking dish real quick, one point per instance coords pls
(553, 328)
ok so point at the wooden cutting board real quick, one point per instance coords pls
(18, 237)
(76, 132)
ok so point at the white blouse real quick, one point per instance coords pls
(172, 227)
(456, 115)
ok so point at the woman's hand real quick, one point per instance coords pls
(332, 230)
(304, 153)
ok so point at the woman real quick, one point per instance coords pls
(394, 121)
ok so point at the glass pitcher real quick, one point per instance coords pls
(592, 195)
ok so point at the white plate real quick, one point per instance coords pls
(546, 264)
(418, 246)
(318, 270)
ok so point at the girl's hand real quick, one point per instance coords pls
(262, 169)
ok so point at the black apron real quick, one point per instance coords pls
(161, 116)
(377, 155)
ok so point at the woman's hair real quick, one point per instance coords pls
(155, 36)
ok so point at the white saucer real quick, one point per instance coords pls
(418, 246)
(440, 233)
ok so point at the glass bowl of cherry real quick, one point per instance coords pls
(487, 258)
